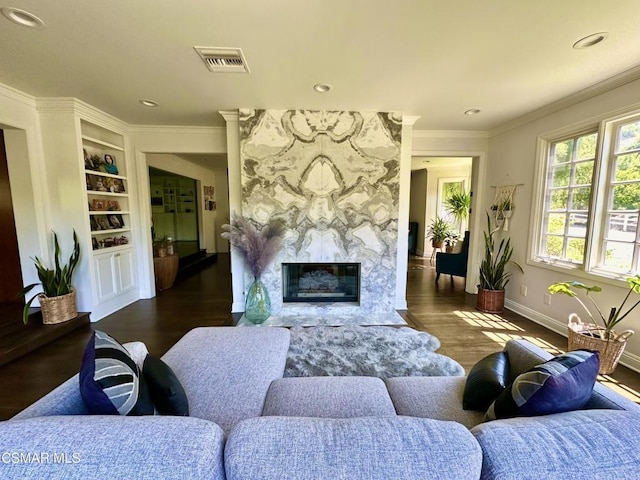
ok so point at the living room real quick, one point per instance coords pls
(532, 90)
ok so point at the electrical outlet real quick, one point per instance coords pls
(523, 290)
(547, 299)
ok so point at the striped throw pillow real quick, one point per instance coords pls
(110, 381)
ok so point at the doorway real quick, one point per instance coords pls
(433, 180)
(174, 211)
(11, 279)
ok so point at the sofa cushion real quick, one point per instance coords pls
(113, 447)
(226, 371)
(372, 448)
(333, 397)
(432, 397)
(166, 391)
(561, 384)
(571, 445)
(110, 381)
(487, 379)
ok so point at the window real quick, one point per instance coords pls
(589, 208)
(570, 165)
(619, 252)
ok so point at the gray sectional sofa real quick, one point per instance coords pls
(247, 422)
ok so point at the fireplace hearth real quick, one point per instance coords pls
(321, 282)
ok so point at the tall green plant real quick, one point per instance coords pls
(457, 205)
(494, 274)
(54, 282)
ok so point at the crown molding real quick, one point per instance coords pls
(450, 134)
(82, 109)
(599, 88)
(17, 95)
(410, 119)
(173, 129)
(230, 115)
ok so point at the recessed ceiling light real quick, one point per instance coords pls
(322, 87)
(591, 40)
(472, 111)
(22, 17)
(149, 103)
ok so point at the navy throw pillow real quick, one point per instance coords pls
(166, 391)
(110, 381)
(561, 384)
(486, 380)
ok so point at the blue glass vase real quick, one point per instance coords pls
(257, 307)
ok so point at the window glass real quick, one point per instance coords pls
(566, 206)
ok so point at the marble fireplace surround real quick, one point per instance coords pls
(333, 177)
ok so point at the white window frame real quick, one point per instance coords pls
(594, 241)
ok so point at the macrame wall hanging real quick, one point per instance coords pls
(503, 205)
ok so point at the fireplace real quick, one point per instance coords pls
(321, 282)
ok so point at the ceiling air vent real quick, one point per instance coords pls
(222, 60)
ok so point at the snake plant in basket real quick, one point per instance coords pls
(494, 271)
(57, 298)
(594, 336)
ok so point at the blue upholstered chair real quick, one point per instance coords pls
(453, 263)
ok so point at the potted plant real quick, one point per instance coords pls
(450, 240)
(494, 273)
(457, 205)
(438, 231)
(602, 338)
(58, 297)
(160, 247)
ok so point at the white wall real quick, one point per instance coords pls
(222, 207)
(513, 153)
(29, 190)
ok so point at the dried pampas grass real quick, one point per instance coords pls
(258, 247)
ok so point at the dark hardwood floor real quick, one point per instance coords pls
(203, 298)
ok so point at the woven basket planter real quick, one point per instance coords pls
(587, 336)
(490, 301)
(58, 309)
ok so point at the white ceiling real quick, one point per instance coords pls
(430, 58)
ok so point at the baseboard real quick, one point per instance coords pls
(629, 360)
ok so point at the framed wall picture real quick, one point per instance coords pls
(103, 223)
(115, 185)
(110, 164)
(99, 205)
(115, 221)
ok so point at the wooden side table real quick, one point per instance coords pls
(165, 270)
